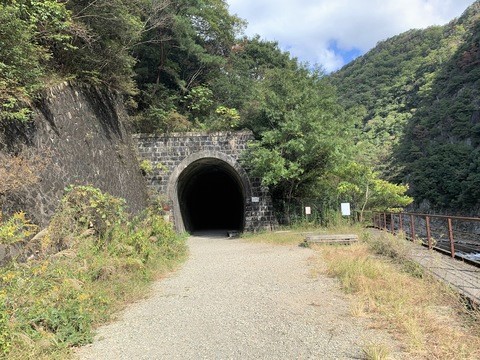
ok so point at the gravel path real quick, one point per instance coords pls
(237, 300)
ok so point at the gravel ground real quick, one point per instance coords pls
(237, 300)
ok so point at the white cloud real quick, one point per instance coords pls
(308, 28)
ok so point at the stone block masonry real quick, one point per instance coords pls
(177, 157)
(81, 129)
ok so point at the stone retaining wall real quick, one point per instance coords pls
(81, 130)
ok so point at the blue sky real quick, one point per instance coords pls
(333, 32)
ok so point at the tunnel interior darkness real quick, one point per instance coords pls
(211, 196)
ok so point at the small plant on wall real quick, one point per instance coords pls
(147, 167)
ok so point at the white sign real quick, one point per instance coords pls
(308, 210)
(345, 209)
(255, 199)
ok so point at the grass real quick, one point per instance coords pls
(430, 320)
(376, 351)
(50, 305)
(282, 237)
(296, 235)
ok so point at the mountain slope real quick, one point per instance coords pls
(419, 93)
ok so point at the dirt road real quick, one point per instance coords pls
(237, 300)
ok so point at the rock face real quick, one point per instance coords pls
(186, 164)
(81, 131)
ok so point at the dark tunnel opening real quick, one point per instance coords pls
(211, 197)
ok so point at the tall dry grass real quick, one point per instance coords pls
(430, 319)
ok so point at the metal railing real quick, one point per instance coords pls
(454, 235)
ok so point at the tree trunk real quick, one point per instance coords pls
(365, 203)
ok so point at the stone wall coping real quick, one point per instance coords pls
(193, 134)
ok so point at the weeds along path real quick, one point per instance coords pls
(238, 300)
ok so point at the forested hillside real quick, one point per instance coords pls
(185, 64)
(418, 94)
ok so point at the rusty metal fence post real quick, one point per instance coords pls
(450, 235)
(432, 234)
(429, 234)
(412, 227)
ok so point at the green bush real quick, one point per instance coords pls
(17, 228)
(85, 208)
(54, 303)
(146, 167)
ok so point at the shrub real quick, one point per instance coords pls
(157, 120)
(17, 228)
(47, 306)
(85, 208)
(146, 167)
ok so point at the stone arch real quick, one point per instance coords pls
(195, 165)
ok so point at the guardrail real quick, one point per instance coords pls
(454, 235)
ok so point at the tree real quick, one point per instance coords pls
(420, 90)
(245, 67)
(176, 60)
(30, 31)
(307, 144)
(108, 29)
(300, 129)
(361, 186)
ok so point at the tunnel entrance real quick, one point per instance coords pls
(211, 196)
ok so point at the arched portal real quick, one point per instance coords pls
(210, 197)
(209, 192)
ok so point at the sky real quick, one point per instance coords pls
(331, 33)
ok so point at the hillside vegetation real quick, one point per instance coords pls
(418, 96)
(185, 65)
(407, 112)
